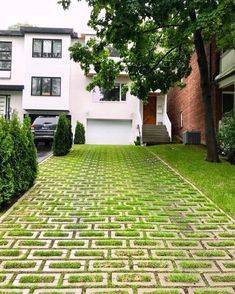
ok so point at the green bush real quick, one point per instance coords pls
(6, 173)
(79, 137)
(31, 158)
(62, 139)
(18, 159)
(70, 135)
(18, 156)
(227, 136)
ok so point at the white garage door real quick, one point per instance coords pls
(115, 132)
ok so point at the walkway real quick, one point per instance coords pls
(115, 220)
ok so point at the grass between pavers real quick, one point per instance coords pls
(109, 264)
(223, 279)
(66, 264)
(36, 279)
(85, 279)
(216, 180)
(211, 292)
(164, 292)
(133, 278)
(152, 264)
(19, 264)
(182, 278)
(196, 264)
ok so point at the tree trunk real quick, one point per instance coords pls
(211, 143)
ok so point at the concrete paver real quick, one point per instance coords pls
(115, 219)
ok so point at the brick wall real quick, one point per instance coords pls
(189, 99)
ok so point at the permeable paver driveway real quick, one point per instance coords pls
(115, 220)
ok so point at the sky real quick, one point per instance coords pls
(44, 13)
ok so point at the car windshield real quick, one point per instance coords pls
(45, 120)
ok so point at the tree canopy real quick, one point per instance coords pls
(154, 39)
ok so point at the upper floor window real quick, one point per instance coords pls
(5, 56)
(47, 48)
(44, 86)
(114, 94)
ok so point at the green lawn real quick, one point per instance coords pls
(216, 180)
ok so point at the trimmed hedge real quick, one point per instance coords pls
(79, 137)
(63, 137)
(18, 158)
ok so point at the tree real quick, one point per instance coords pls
(79, 137)
(18, 25)
(155, 40)
(18, 156)
(62, 138)
(6, 173)
(31, 163)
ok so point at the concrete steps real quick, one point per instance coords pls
(155, 134)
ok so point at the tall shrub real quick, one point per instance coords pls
(31, 163)
(6, 174)
(19, 156)
(227, 136)
(70, 135)
(62, 139)
(79, 137)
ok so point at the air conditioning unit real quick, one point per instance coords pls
(192, 137)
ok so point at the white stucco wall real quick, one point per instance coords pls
(17, 63)
(82, 106)
(46, 67)
(15, 102)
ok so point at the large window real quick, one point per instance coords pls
(47, 48)
(5, 55)
(114, 94)
(43, 86)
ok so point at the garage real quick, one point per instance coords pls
(107, 131)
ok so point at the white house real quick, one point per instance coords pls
(37, 77)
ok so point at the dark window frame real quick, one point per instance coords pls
(122, 98)
(51, 78)
(42, 48)
(4, 60)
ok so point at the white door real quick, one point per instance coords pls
(107, 131)
(2, 105)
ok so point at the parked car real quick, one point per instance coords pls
(44, 128)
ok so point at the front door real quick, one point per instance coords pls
(149, 116)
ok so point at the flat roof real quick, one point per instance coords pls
(38, 30)
(11, 87)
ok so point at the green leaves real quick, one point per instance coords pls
(154, 38)
(18, 160)
(62, 139)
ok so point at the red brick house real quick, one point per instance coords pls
(185, 107)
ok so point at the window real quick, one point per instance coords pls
(228, 99)
(181, 120)
(5, 55)
(43, 86)
(114, 94)
(47, 48)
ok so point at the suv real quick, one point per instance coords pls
(43, 129)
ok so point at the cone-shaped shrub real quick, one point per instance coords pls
(19, 156)
(6, 173)
(70, 135)
(62, 139)
(31, 160)
(79, 137)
